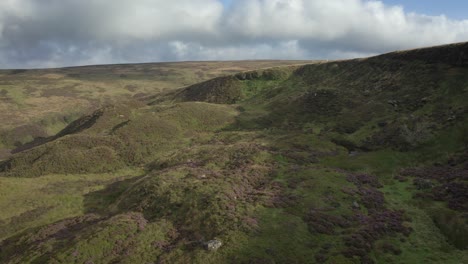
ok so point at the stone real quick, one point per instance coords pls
(356, 205)
(393, 103)
(241, 76)
(424, 100)
(213, 245)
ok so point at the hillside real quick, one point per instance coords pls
(355, 161)
(39, 103)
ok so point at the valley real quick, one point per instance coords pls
(352, 161)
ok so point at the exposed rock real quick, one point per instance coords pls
(356, 205)
(252, 75)
(393, 103)
(212, 245)
(241, 76)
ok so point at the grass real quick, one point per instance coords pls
(302, 164)
(383, 163)
(119, 138)
(52, 98)
(292, 239)
(33, 202)
(427, 243)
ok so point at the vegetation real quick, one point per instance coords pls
(360, 161)
(39, 103)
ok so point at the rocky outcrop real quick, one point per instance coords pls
(212, 245)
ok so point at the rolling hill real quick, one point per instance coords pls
(40, 102)
(353, 161)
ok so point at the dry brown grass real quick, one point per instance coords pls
(113, 77)
(42, 96)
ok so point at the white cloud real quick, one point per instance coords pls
(279, 50)
(36, 33)
(348, 24)
(162, 19)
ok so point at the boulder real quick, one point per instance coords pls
(213, 245)
(356, 205)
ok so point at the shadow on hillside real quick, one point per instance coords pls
(100, 202)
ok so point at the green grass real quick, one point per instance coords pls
(15, 94)
(285, 165)
(292, 240)
(427, 243)
(52, 98)
(32, 202)
(382, 163)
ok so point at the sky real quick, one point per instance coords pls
(455, 9)
(56, 33)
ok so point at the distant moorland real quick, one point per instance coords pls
(41, 102)
(353, 161)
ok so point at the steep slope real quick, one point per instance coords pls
(359, 161)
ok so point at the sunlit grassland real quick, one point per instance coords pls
(31, 202)
(298, 164)
(49, 99)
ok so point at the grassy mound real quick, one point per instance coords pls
(116, 137)
(40, 102)
(223, 90)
